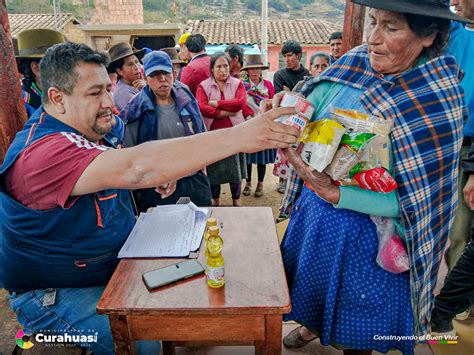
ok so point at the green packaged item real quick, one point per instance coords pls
(356, 140)
(359, 167)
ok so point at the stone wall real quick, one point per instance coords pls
(74, 34)
(118, 12)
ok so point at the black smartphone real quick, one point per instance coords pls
(172, 273)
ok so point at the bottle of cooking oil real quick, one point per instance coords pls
(211, 222)
(215, 261)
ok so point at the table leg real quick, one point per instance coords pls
(168, 348)
(259, 347)
(120, 334)
(272, 343)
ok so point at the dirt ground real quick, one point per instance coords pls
(271, 197)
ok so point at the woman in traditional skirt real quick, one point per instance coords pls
(221, 99)
(258, 89)
(339, 293)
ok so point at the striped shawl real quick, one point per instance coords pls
(427, 106)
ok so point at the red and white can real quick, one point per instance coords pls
(305, 111)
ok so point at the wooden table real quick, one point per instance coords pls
(247, 310)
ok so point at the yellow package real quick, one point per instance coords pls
(321, 139)
(356, 121)
(351, 113)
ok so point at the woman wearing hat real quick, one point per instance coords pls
(339, 293)
(258, 89)
(32, 45)
(126, 63)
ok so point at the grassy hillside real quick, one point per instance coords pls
(82, 9)
(183, 10)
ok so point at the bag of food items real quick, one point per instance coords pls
(321, 140)
(352, 148)
(360, 122)
(371, 172)
(376, 179)
(348, 155)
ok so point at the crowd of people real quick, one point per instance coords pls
(191, 73)
(187, 122)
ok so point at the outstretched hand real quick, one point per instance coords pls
(262, 132)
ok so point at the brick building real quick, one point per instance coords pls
(118, 12)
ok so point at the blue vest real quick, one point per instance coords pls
(75, 247)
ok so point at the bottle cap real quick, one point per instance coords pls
(214, 230)
(211, 222)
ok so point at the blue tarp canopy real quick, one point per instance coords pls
(248, 48)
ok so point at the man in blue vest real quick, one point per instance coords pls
(65, 208)
(165, 109)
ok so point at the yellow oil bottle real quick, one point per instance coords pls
(211, 222)
(215, 261)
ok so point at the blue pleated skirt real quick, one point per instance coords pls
(337, 289)
(264, 157)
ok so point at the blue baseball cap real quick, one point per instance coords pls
(157, 61)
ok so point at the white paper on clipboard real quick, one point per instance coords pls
(167, 231)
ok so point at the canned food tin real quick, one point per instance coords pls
(305, 111)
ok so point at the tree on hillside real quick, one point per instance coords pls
(155, 5)
(253, 5)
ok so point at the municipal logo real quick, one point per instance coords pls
(22, 340)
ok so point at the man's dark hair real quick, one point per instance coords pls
(235, 51)
(335, 35)
(291, 47)
(320, 54)
(424, 26)
(196, 43)
(58, 66)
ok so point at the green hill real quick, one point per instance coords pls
(82, 9)
(183, 10)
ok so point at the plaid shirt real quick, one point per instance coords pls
(427, 106)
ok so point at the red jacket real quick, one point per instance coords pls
(198, 70)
